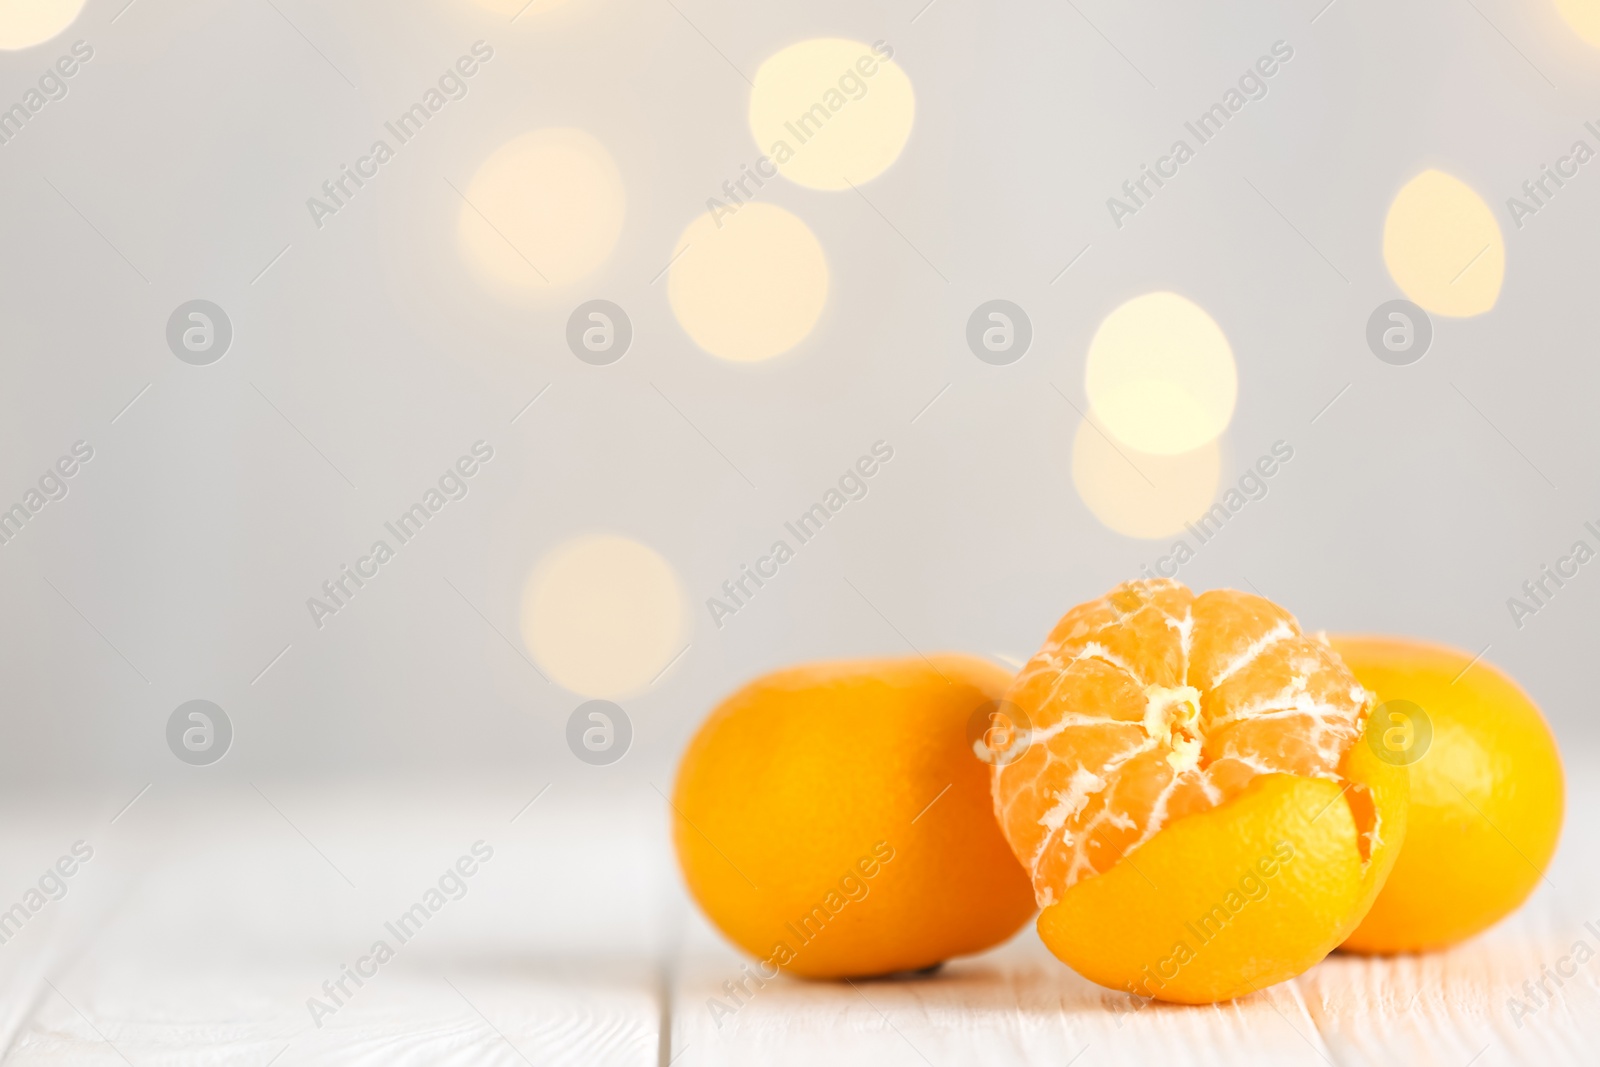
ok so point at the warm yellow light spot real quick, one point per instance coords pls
(1443, 246)
(25, 23)
(1160, 375)
(603, 615)
(544, 210)
(1111, 479)
(831, 112)
(751, 288)
(1584, 18)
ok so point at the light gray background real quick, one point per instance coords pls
(187, 547)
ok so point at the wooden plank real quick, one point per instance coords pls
(1499, 998)
(441, 1010)
(215, 951)
(204, 924)
(1018, 1005)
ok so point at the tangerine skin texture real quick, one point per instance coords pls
(1491, 769)
(825, 786)
(1124, 928)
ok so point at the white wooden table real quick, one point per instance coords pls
(206, 919)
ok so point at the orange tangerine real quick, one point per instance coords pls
(832, 821)
(1195, 811)
(1486, 792)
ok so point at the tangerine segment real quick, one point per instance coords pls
(1486, 793)
(832, 821)
(1152, 704)
(1224, 902)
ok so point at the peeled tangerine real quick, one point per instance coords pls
(1197, 809)
(834, 821)
(1486, 792)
